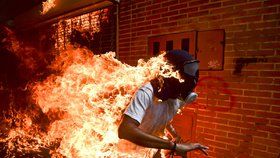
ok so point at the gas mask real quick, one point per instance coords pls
(174, 89)
(190, 74)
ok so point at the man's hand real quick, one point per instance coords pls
(182, 149)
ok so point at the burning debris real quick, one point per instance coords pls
(49, 4)
(75, 111)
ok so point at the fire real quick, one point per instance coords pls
(49, 4)
(84, 100)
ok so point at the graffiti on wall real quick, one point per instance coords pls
(216, 94)
(240, 63)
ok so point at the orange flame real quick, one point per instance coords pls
(84, 100)
(49, 4)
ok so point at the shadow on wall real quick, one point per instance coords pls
(240, 63)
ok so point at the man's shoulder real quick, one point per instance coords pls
(147, 88)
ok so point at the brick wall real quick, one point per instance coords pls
(238, 113)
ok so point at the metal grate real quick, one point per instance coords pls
(89, 30)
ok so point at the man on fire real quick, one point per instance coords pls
(153, 107)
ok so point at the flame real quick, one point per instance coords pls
(84, 100)
(49, 4)
(30, 59)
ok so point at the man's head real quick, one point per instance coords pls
(188, 69)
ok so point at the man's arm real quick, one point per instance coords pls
(129, 130)
(172, 132)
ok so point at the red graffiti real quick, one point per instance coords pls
(215, 94)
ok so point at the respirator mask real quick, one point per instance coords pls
(190, 74)
(174, 89)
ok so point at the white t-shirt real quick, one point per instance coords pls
(152, 115)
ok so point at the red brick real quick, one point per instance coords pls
(233, 2)
(221, 152)
(222, 10)
(210, 6)
(256, 106)
(258, 146)
(245, 99)
(153, 6)
(266, 24)
(199, 129)
(170, 3)
(178, 6)
(228, 128)
(256, 120)
(257, 93)
(214, 144)
(241, 124)
(200, 13)
(229, 116)
(271, 45)
(275, 136)
(159, 10)
(268, 101)
(135, 20)
(258, 80)
(249, 6)
(151, 27)
(268, 128)
(152, 17)
(267, 114)
(254, 132)
(210, 18)
(276, 95)
(242, 137)
(264, 141)
(250, 73)
(170, 13)
(214, 120)
(198, 2)
(138, 10)
(243, 111)
(207, 113)
(205, 136)
(273, 149)
(260, 52)
(276, 81)
(243, 86)
(159, 21)
(275, 109)
(219, 108)
(258, 153)
(262, 10)
(188, 10)
(143, 23)
(275, 122)
(274, 59)
(228, 104)
(234, 14)
(268, 87)
(140, 33)
(247, 46)
(261, 66)
(215, 132)
(235, 28)
(143, 4)
(227, 140)
(177, 17)
(219, 97)
(271, 2)
(205, 124)
(171, 24)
